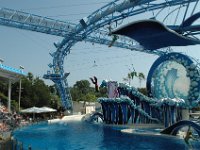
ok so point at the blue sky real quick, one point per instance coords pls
(31, 49)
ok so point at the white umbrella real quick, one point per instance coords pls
(32, 110)
(47, 109)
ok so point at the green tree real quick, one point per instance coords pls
(83, 86)
(90, 97)
(75, 93)
(34, 93)
(102, 92)
(3, 99)
(30, 76)
(141, 77)
(27, 93)
(3, 86)
(130, 76)
(55, 101)
(41, 93)
(81, 91)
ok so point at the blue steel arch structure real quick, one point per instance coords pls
(99, 19)
(89, 29)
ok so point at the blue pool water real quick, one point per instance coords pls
(86, 136)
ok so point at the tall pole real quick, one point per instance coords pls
(20, 88)
(9, 95)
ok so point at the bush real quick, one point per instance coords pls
(3, 99)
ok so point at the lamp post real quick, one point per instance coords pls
(20, 88)
(1, 61)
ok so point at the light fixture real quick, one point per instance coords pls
(1, 61)
(21, 67)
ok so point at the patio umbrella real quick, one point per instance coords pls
(47, 109)
(32, 110)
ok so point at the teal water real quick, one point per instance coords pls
(86, 136)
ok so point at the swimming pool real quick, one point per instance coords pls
(76, 135)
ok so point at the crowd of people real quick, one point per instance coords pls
(4, 116)
(8, 121)
(12, 120)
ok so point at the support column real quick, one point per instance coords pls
(20, 87)
(9, 95)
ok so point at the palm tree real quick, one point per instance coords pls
(133, 74)
(30, 76)
(141, 77)
(130, 76)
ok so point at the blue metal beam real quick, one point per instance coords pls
(31, 22)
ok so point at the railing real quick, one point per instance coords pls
(11, 144)
(7, 68)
